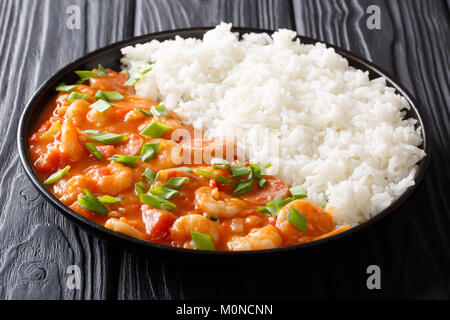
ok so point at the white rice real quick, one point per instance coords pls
(332, 130)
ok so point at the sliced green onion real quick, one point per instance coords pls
(258, 171)
(202, 241)
(185, 169)
(155, 130)
(141, 70)
(176, 182)
(214, 176)
(77, 96)
(297, 219)
(239, 170)
(140, 187)
(298, 192)
(273, 207)
(90, 202)
(147, 113)
(108, 95)
(322, 205)
(157, 202)
(164, 192)
(149, 175)
(212, 218)
(130, 161)
(110, 199)
(262, 183)
(87, 74)
(219, 163)
(159, 111)
(93, 149)
(101, 105)
(243, 187)
(62, 87)
(105, 137)
(57, 175)
(149, 150)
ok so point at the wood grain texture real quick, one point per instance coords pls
(411, 247)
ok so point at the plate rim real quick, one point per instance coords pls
(110, 236)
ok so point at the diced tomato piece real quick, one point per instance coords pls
(157, 222)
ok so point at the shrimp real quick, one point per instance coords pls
(267, 237)
(77, 111)
(180, 231)
(121, 225)
(318, 222)
(68, 190)
(168, 155)
(101, 119)
(217, 203)
(71, 146)
(112, 179)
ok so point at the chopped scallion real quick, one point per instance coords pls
(141, 71)
(130, 161)
(140, 187)
(164, 192)
(147, 113)
(262, 183)
(109, 95)
(155, 130)
(105, 137)
(65, 88)
(202, 241)
(176, 182)
(157, 202)
(243, 187)
(93, 149)
(149, 175)
(101, 105)
(110, 199)
(77, 96)
(87, 74)
(149, 150)
(55, 177)
(159, 111)
(297, 219)
(90, 202)
(239, 170)
(298, 192)
(219, 163)
(214, 176)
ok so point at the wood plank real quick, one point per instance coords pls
(36, 242)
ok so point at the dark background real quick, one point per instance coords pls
(411, 247)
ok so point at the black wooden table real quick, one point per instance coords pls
(411, 247)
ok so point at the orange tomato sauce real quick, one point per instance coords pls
(203, 205)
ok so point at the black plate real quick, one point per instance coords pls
(109, 56)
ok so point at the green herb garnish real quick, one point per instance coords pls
(105, 137)
(130, 161)
(164, 192)
(157, 202)
(149, 150)
(155, 130)
(297, 219)
(202, 241)
(90, 202)
(77, 96)
(93, 149)
(55, 177)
